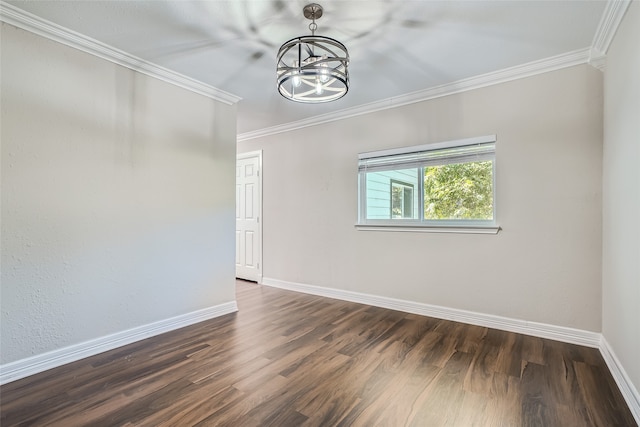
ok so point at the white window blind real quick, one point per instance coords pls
(473, 150)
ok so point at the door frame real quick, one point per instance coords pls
(258, 155)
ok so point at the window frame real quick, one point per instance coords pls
(421, 224)
(404, 186)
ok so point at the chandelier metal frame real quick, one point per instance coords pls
(313, 69)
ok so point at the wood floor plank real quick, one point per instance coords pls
(289, 359)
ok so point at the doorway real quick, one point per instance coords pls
(249, 216)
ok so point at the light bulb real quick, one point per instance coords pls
(324, 71)
(296, 78)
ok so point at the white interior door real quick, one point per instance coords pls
(248, 216)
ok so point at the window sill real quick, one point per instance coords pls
(477, 229)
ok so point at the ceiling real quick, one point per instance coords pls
(396, 47)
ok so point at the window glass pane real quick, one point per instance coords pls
(392, 194)
(408, 203)
(401, 199)
(459, 191)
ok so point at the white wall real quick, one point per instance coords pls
(545, 265)
(117, 198)
(621, 196)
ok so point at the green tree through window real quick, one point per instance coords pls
(459, 191)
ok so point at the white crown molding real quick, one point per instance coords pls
(42, 362)
(609, 23)
(32, 23)
(595, 56)
(558, 333)
(529, 69)
(597, 59)
(628, 390)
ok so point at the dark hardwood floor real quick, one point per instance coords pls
(289, 359)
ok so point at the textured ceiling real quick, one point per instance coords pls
(396, 47)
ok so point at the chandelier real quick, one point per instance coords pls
(313, 68)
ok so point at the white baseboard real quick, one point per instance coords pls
(42, 362)
(628, 390)
(558, 333)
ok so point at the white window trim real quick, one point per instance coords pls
(417, 225)
(430, 229)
